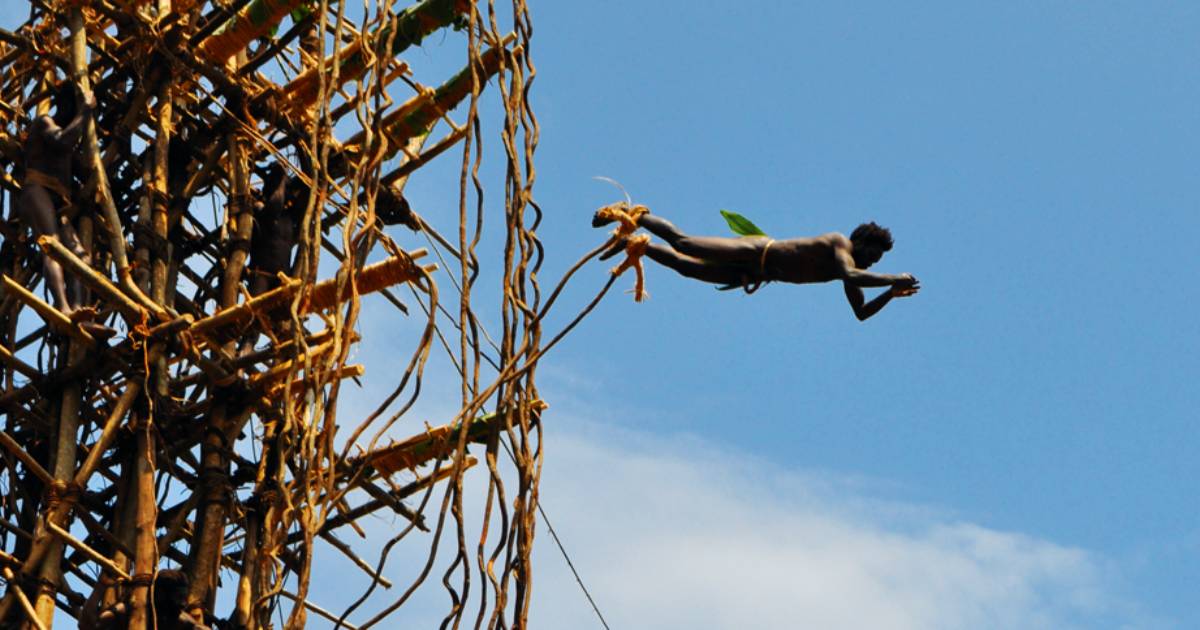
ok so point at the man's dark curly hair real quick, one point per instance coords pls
(873, 235)
(64, 103)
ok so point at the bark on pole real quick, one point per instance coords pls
(146, 518)
(205, 558)
(145, 546)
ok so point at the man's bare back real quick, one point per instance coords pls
(805, 260)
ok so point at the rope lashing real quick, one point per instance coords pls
(635, 248)
(625, 216)
(752, 285)
(63, 492)
(762, 261)
(141, 580)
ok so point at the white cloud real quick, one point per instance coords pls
(673, 533)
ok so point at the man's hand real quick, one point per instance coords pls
(906, 286)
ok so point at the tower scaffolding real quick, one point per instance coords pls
(171, 432)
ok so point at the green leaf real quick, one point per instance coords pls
(258, 13)
(301, 13)
(741, 225)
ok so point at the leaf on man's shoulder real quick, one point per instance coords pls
(741, 225)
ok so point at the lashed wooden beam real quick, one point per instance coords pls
(53, 317)
(418, 114)
(254, 21)
(130, 309)
(11, 360)
(411, 26)
(324, 295)
(435, 443)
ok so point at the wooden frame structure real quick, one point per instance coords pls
(138, 469)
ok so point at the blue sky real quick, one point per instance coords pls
(1011, 448)
(1036, 162)
(1016, 446)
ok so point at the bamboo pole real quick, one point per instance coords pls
(235, 314)
(416, 116)
(299, 385)
(317, 609)
(95, 556)
(26, 606)
(285, 350)
(254, 21)
(205, 557)
(66, 450)
(13, 447)
(247, 591)
(411, 26)
(324, 295)
(267, 379)
(53, 317)
(400, 174)
(358, 562)
(145, 562)
(434, 443)
(11, 360)
(108, 434)
(370, 279)
(206, 550)
(374, 505)
(116, 236)
(128, 308)
(145, 456)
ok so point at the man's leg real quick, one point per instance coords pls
(737, 251)
(689, 267)
(37, 211)
(75, 289)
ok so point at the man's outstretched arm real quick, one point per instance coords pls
(864, 309)
(863, 278)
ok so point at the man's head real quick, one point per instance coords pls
(64, 103)
(273, 177)
(870, 242)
